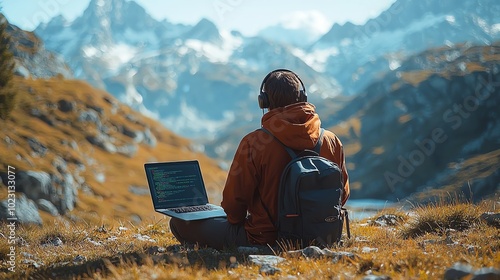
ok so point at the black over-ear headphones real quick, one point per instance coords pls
(263, 97)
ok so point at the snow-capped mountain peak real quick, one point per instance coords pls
(157, 65)
(205, 30)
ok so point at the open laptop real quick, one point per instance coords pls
(177, 190)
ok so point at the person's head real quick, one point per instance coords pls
(280, 88)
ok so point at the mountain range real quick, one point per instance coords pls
(173, 72)
(393, 89)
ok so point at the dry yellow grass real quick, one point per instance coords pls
(422, 245)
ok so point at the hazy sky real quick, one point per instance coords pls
(246, 16)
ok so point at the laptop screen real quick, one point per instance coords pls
(176, 184)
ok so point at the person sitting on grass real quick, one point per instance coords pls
(254, 176)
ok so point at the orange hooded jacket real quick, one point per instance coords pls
(259, 161)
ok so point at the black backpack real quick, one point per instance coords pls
(309, 200)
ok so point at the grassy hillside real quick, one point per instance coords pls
(65, 136)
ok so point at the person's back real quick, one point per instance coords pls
(254, 176)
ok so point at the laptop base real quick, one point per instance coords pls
(217, 211)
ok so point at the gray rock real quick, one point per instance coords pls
(312, 252)
(74, 145)
(102, 141)
(36, 185)
(138, 190)
(90, 116)
(98, 109)
(100, 176)
(265, 259)
(52, 241)
(25, 211)
(127, 150)
(315, 253)
(69, 193)
(22, 71)
(492, 219)
(376, 277)
(79, 259)
(338, 256)
(367, 249)
(267, 269)
(9, 141)
(33, 263)
(47, 206)
(154, 250)
(386, 220)
(60, 164)
(138, 136)
(136, 219)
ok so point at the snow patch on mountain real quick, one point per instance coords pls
(196, 120)
(300, 28)
(318, 58)
(139, 38)
(213, 52)
(114, 57)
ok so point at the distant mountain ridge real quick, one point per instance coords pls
(156, 66)
(361, 53)
(152, 65)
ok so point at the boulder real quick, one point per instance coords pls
(102, 141)
(127, 150)
(36, 185)
(47, 206)
(69, 197)
(25, 211)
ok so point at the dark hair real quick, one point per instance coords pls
(282, 88)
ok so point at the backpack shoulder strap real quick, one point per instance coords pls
(289, 151)
(317, 147)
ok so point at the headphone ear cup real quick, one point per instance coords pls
(303, 95)
(263, 100)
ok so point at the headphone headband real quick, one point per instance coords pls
(264, 98)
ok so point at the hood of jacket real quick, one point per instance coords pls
(296, 125)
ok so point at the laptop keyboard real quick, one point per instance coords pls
(187, 209)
